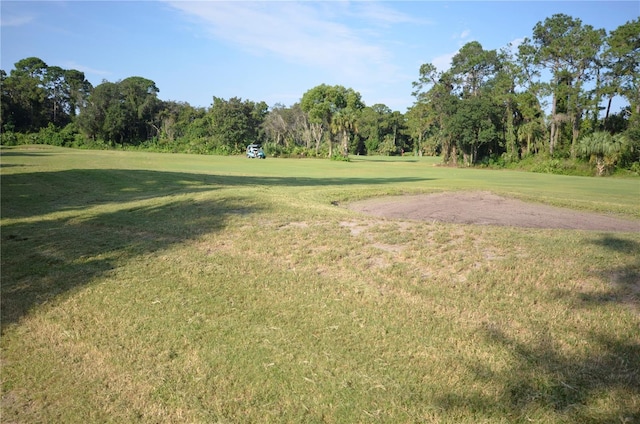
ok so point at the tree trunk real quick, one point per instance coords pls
(553, 129)
(575, 132)
(600, 165)
(446, 151)
(345, 143)
(510, 134)
(316, 131)
(606, 116)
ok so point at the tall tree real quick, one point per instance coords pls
(323, 102)
(57, 95)
(5, 102)
(235, 123)
(141, 105)
(419, 123)
(276, 125)
(475, 126)
(459, 102)
(26, 96)
(504, 91)
(435, 96)
(622, 57)
(378, 124)
(569, 50)
(36, 95)
(472, 66)
(370, 127)
(79, 90)
(174, 120)
(289, 127)
(124, 112)
(343, 123)
(531, 128)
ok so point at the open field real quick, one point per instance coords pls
(142, 287)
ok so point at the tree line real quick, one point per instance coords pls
(549, 98)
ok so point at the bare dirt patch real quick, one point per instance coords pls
(485, 208)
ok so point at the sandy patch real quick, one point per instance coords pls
(485, 208)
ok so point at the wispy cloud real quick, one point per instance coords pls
(443, 62)
(462, 37)
(302, 33)
(14, 21)
(514, 44)
(383, 15)
(85, 69)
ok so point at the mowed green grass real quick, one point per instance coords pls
(142, 287)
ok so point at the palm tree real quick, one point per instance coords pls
(602, 147)
(343, 122)
(531, 132)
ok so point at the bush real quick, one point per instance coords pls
(8, 138)
(340, 158)
(494, 161)
(274, 150)
(546, 165)
(388, 146)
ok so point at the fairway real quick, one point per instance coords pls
(141, 287)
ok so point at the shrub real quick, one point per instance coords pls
(340, 158)
(603, 149)
(8, 138)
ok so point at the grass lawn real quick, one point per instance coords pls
(140, 287)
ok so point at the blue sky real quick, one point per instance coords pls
(274, 51)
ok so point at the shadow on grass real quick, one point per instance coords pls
(543, 380)
(51, 257)
(44, 258)
(37, 193)
(48, 255)
(388, 159)
(624, 281)
(17, 153)
(30, 194)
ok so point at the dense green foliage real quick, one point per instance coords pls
(490, 107)
(35, 95)
(334, 108)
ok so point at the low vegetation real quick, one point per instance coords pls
(142, 287)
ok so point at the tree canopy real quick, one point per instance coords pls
(335, 109)
(35, 94)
